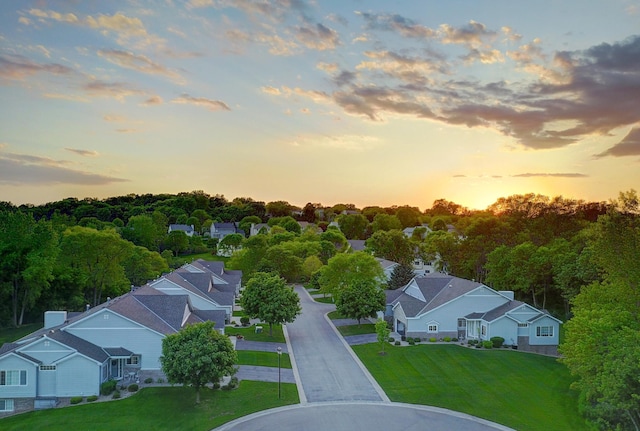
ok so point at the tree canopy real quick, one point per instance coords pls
(197, 355)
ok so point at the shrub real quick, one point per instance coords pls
(160, 381)
(244, 320)
(403, 338)
(409, 339)
(116, 395)
(411, 342)
(233, 383)
(391, 339)
(397, 343)
(446, 339)
(132, 387)
(75, 400)
(454, 339)
(497, 341)
(216, 385)
(108, 387)
(487, 344)
(92, 398)
(148, 380)
(473, 342)
(432, 340)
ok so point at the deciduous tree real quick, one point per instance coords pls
(361, 299)
(197, 355)
(345, 269)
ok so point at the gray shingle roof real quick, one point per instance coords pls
(84, 347)
(117, 351)
(169, 308)
(129, 306)
(217, 316)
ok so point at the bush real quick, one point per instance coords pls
(433, 339)
(409, 339)
(454, 339)
(160, 381)
(92, 398)
(75, 400)
(397, 343)
(411, 342)
(108, 387)
(132, 387)
(487, 344)
(446, 339)
(244, 320)
(391, 339)
(403, 338)
(233, 383)
(497, 341)
(116, 395)
(473, 342)
(148, 380)
(216, 385)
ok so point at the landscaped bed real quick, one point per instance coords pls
(522, 391)
(249, 333)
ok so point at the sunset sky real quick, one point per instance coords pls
(364, 102)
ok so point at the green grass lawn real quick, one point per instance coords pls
(8, 335)
(334, 315)
(159, 409)
(324, 299)
(365, 328)
(249, 333)
(239, 313)
(263, 359)
(523, 391)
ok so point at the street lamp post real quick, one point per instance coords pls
(279, 350)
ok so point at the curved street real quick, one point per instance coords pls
(338, 393)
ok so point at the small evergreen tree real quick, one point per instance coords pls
(401, 275)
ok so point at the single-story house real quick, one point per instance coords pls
(438, 305)
(187, 229)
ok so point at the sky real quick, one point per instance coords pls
(337, 101)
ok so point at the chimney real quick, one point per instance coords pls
(54, 318)
(88, 306)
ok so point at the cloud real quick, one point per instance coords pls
(126, 130)
(211, 105)
(25, 169)
(152, 101)
(127, 30)
(271, 90)
(554, 175)
(84, 153)
(24, 20)
(117, 90)
(397, 23)
(629, 146)
(18, 67)
(472, 35)
(316, 96)
(318, 37)
(139, 63)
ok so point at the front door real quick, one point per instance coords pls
(400, 327)
(116, 368)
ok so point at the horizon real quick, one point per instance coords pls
(364, 103)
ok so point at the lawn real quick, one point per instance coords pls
(334, 315)
(263, 359)
(365, 328)
(8, 335)
(167, 408)
(523, 391)
(324, 299)
(249, 333)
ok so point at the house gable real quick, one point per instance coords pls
(47, 350)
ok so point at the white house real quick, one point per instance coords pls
(189, 230)
(440, 305)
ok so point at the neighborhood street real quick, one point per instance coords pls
(338, 393)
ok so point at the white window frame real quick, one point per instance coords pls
(432, 327)
(47, 367)
(544, 331)
(133, 360)
(6, 405)
(13, 377)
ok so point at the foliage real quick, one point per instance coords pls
(197, 355)
(382, 333)
(353, 226)
(268, 298)
(108, 387)
(392, 245)
(133, 387)
(400, 276)
(497, 341)
(346, 269)
(176, 241)
(76, 400)
(230, 243)
(360, 299)
(92, 398)
(384, 221)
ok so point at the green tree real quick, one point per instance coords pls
(279, 208)
(246, 222)
(382, 334)
(143, 231)
(176, 241)
(384, 221)
(197, 355)
(400, 276)
(353, 226)
(249, 257)
(408, 216)
(267, 297)
(96, 257)
(361, 299)
(28, 251)
(392, 245)
(346, 269)
(143, 265)
(230, 243)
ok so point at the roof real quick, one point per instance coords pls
(169, 308)
(117, 351)
(187, 279)
(356, 244)
(386, 264)
(83, 347)
(224, 226)
(217, 316)
(148, 313)
(182, 227)
(392, 295)
(437, 289)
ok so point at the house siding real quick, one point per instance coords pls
(47, 383)
(77, 376)
(13, 362)
(46, 350)
(505, 328)
(535, 340)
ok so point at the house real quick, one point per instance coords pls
(188, 229)
(387, 267)
(409, 231)
(73, 355)
(439, 305)
(120, 339)
(220, 230)
(257, 228)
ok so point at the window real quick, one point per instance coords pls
(105, 316)
(544, 331)
(47, 343)
(484, 330)
(432, 327)
(523, 325)
(13, 378)
(6, 405)
(133, 360)
(47, 367)
(462, 323)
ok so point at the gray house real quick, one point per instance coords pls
(440, 305)
(189, 230)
